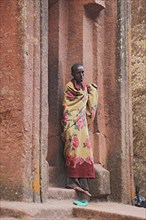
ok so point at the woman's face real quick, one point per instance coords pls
(79, 74)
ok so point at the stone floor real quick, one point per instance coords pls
(65, 210)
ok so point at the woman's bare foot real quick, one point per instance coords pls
(79, 189)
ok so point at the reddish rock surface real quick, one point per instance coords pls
(11, 114)
(65, 210)
(40, 42)
(138, 92)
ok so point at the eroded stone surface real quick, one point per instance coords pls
(138, 91)
(100, 186)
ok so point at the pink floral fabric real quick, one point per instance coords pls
(79, 109)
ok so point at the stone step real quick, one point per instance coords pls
(8, 218)
(65, 210)
(53, 209)
(110, 211)
(34, 218)
(61, 193)
(99, 187)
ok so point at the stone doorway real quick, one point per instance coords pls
(74, 23)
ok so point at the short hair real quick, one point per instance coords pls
(75, 66)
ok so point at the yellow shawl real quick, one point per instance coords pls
(79, 108)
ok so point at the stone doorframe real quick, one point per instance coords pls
(73, 36)
(35, 49)
(113, 126)
(115, 87)
(119, 148)
(123, 62)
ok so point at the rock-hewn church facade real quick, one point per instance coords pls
(41, 39)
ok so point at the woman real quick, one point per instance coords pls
(79, 108)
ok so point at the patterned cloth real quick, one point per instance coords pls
(79, 108)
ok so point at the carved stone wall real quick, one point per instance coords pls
(138, 28)
(11, 132)
(24, 99)
(80, 32)
(41, 42)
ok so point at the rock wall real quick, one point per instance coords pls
(11, 100)
(36, 66)
(24, 99)
(138, 91)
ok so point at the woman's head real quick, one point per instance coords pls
(77, 71)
